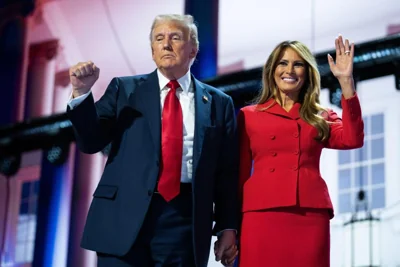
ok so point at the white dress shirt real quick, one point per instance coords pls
(186, 98)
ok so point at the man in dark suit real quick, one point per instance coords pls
(173, 158)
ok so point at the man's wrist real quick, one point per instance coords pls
(79, 92)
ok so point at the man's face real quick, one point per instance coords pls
(172, 49)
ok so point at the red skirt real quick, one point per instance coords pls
(285, 237)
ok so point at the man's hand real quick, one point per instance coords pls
(225, 248)
(83, 76)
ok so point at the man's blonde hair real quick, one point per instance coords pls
(186, 21)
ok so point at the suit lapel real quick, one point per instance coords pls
(271, 106)
(294, 113)
(203, 100)
(146, 99)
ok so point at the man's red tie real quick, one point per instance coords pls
(171, 145)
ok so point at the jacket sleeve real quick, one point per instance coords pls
(226, 198)
(245, 155)
(348, 132)
(93, 122)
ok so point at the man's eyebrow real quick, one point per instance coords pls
(171, 33)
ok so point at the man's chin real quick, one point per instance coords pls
(168, 66)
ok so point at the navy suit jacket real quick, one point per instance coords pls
(128, 116)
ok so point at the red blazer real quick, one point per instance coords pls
(286, 155)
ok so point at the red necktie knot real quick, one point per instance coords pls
(173, 84)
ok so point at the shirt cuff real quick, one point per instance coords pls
(73, 102)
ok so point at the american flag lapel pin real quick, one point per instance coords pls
(205, 98)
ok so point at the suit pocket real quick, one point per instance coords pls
(105, 191)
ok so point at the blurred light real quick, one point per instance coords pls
(383, 53)
(335, 96)
(57, 154)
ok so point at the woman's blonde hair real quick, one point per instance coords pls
(309, 94)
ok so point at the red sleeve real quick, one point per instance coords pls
(348, 132)
(245, 152)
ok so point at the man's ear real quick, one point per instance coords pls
(193, 53)
(152, 52)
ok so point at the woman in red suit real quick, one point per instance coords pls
(286, 206)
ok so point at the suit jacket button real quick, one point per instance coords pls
(295, 168)
(272, 137)
(272, 169)
(296, 152)
(273, 154)
(296, 135)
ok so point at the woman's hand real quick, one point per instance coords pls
(342, 69)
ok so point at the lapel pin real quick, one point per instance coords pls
(205, 98)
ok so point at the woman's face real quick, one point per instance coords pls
(290, 73)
